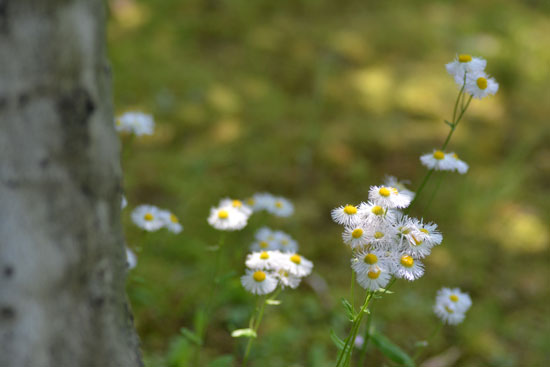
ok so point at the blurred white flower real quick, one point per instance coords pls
(259, 282)
(148, 217)
(135, 122)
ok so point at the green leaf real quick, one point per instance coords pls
(337, 341)
(273, 302)
(191, 336)
(449, 123)
(244, 333)
(223, 361)
(350, 310)
(391, 350)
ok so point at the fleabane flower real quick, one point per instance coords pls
(439, 161)
(148, 217)
(372, 214)
(465, 64)
(135, 122)
(374, 279)
(413, 238)
(171, 221)
(459, 165)
(388, 197)
(287, 279)
(432, 234)
(448, 313)
(296, 264)
(281, 207)
(237, 204)
(286, 242)
(399, 185)
(227, 218)
(480, 85)
(346, 215)
(382, 236)
(259, 282)
(363, 261)
(260, 201)
(461, 301)
(406, 267)
(355, 237)
(270, 260)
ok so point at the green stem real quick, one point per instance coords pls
(438, 184)
(347, 361)
(352, 299)
(419, 350)
(258, 321)
(417, 194)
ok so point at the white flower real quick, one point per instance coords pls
(135, 122)
(259, 282)
(285, 242)
(372, 214)
(460, 166)
(399, 185)
(383, 235)
(461, 301)
(171, 221)
(404, 266)
(366, 260)
(345, 215)
(260, 201)
(414, 238)
(264, 246)
(287, 279)
(439, 161)
(388, 197)
(447, 312)
(265, 234)
(131, 259)
(270, 260)
(227, 218)
(355, 236)
(374, 279)
(237, 204)
(480, 85)
(123, 202)
(433, 236)
(281, 207)
(148, 217)
(465, 64)
(296, 264)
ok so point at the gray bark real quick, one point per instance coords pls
(62, 260)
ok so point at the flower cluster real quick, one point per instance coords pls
(269, 240)
(276, 205)
(384, 241)
(152, 218)
(229, 215)
(451, 305)
(135, 122)
(469, 72)
(441, 161)
(268, 269)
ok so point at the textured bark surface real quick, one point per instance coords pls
(62, 260)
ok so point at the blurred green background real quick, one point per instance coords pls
(317, 100)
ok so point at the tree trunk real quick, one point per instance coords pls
(62, 259)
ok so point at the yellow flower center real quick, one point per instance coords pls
(173, 218)
(453, 297)
(464, 58)
(370, 259)
(448, 309)
(264, 244)
(481, 83)
(378, 235)
(264, 255)
(148, 217)
(259, 276)
(384, 191)
(250, 201)
(373, 274)
(279, 204)
(296, 259)
(237, 204)
(284, 242)
(416, 241)
(223, 214)
(350, 209)
(394, 190)
(439, 155)
(455, 156)
(357, 232)
(404, 230)
(407, 261)
(377, 210)
(424, 230)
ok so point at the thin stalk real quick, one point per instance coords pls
(438, 185)
(428, 341)
(258, 321)
(417, 194)
(352, 299)
(347, 361)
(344, 350)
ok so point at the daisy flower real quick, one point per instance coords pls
(285, 242)
(131, 259)
(448, 313)
(281, 207)
(259, 282)
(399, 185)
(460, 166)
(296, 264)
(171, 221)
(480, 85)
(265, 234)
(260, 201)
(365, 260)
(438, 160)
(461, 301)
(371, 213)
(388, 197)
(264, 260)
(227, 218)
(287, 279)
(433, 236)
(148, 217)
(135, 122)
(237, 204)
(346, 215)
(465, 64)
(264, 246)
(374, 279)
(404, 266)
(382, 236)
(355, 236)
